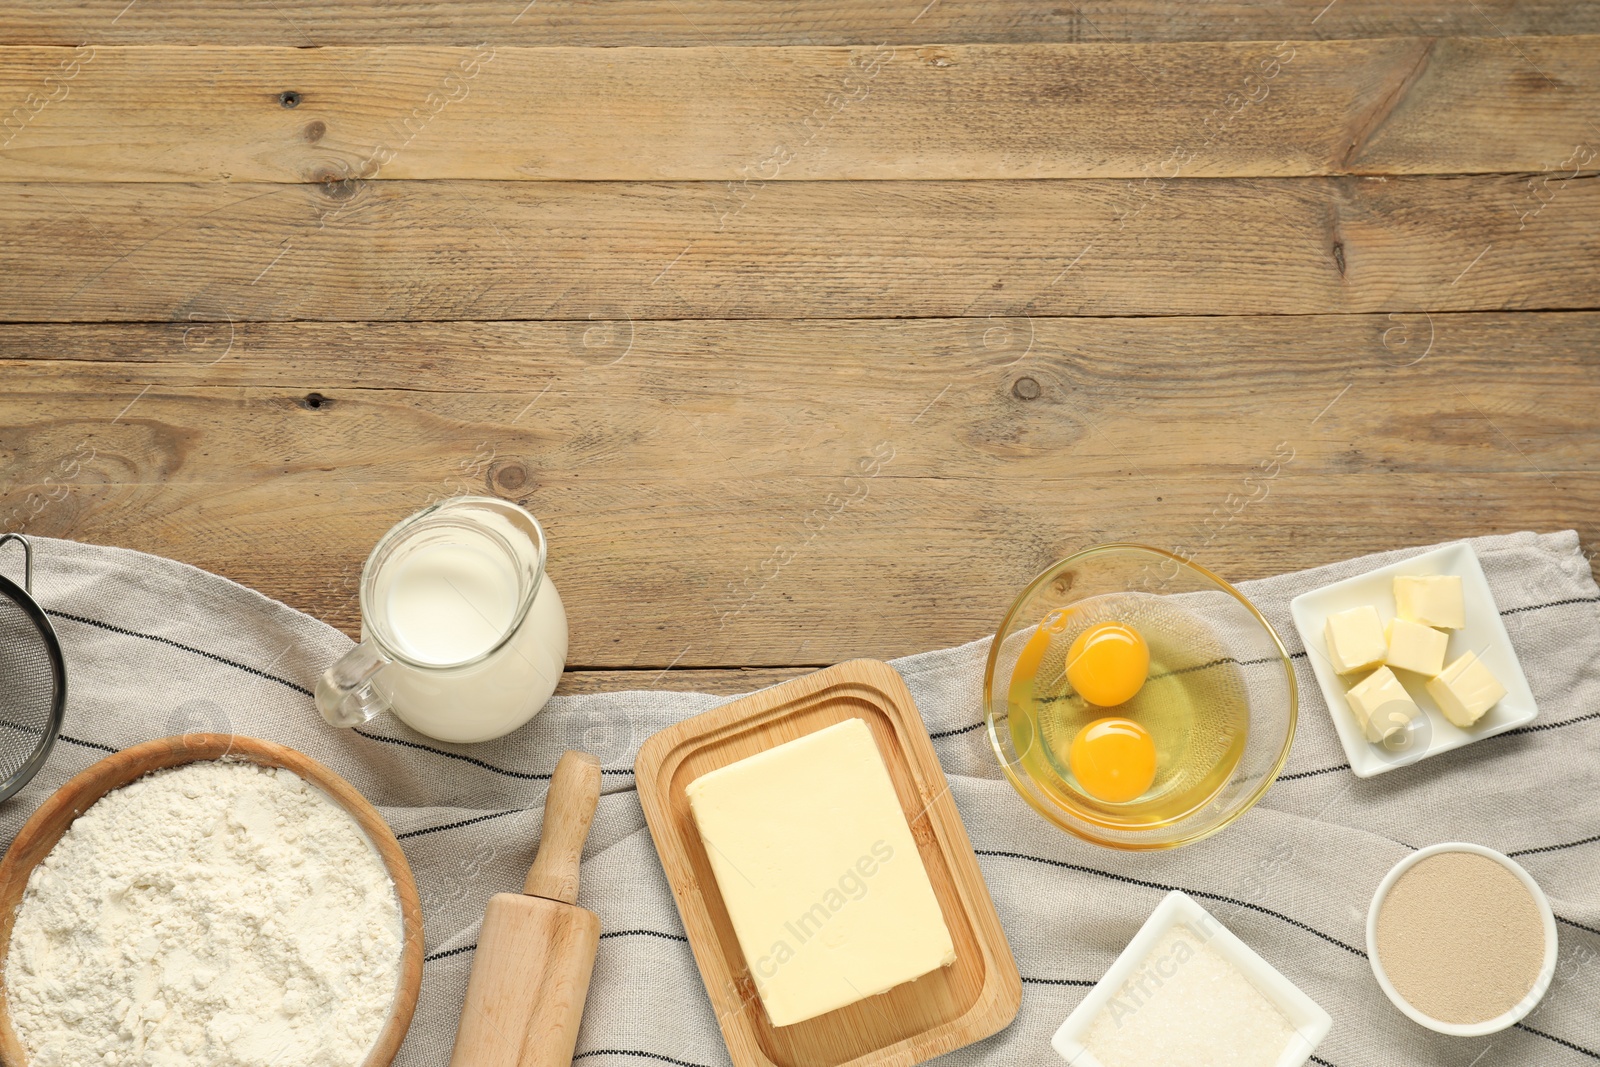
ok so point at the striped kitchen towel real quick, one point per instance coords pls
(156, 647)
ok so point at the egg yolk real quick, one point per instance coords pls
(1107, 664)
(1114, 760)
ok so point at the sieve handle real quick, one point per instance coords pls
(345, 693)
(27, 559)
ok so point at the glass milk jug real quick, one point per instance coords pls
(463, 635)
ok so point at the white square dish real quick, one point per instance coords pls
(1311, 1024)
(1484, 633)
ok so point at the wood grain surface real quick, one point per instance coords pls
(774, 22)
(1040, 275)
(603, 254)
(751, 477)
(759, 114)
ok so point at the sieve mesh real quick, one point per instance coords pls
(27, 687)
(32, 686)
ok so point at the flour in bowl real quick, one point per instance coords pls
(218, 913)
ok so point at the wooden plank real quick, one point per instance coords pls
(795, 493)
(606, 255)
(764, 22)
(729, 681)
(753, 115)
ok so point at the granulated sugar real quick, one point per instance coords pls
(218, 914)
(1187, 1006)
(1460, 937)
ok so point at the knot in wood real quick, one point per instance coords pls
(1025, 389)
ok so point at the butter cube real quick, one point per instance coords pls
(1415, 647)
(819, 872)
(1465, 690)
(1433, 600)
(1355, 639)
(1381, 705)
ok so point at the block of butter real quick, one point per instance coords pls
(1432, 599)
(1381, 705)
(1465, 690)
(821, 878)
(1415, 647)
(1355, 639)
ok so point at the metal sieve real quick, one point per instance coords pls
(33, 679)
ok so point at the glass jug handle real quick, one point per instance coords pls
(345, 694)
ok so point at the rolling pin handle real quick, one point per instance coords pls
(568, 811)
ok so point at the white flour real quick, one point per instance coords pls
(219, 914)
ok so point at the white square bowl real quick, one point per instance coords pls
(1310, 1022)
(1484, 633)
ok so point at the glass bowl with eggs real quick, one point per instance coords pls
(1137, 700)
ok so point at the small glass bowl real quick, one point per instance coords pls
(1228, 637)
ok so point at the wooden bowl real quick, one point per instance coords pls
(41, 832)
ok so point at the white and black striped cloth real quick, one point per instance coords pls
(155, 647)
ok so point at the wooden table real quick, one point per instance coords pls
(810, 331)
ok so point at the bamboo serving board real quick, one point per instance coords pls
(955, 1005)
(45, 827)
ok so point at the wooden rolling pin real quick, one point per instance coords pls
(536, 948)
